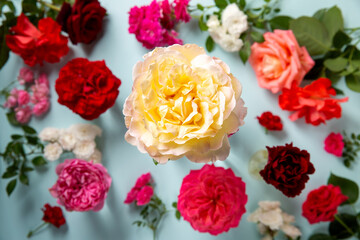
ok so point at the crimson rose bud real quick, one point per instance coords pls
(53, 215)
(270, 122)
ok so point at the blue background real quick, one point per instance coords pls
(21, 212)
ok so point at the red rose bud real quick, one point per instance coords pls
(287, 169)
(53, 215)
(270, 122)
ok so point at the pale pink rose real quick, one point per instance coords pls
(23, 114)
(41, 107)
(143, 180)
(43, 80)
(212, 199)
(11, 102)
(23, 97)
(40, 91)
(334, 144)
(81, 186)
(279, 61)
(144, 195)
(26, 75)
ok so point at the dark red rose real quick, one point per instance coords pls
(36, 45)
(321, 204)
(83, 21)
(270, 121)
(53, 215)
(287, 169)
(87, 88)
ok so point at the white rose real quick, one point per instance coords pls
(67, 140)
(272, 219)
(230, 43)
(52, 151)
(84, 149)
(85, 131)
(213, 22)
(234, 20)
(269, 205)
(291, 231)
(96, 157)
(49, 134)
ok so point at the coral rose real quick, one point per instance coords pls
(287, 169)
(314, 101)
(321, 204)
(183, 103)
(87, 88)
(212, 199)
(279, 61)
(37, 45)
(334, 144)
(81, 186)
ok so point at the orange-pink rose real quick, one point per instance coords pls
(279, 61)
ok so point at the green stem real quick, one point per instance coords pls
(344, 224)
(49, 5)
(36, 229)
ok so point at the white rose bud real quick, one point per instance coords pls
(84, 149)
(272, 219)
(96, 157)
(291, 231)
(234, 20)
(213, 22)
(230, 43)
(49, 134)
(67, 140)
(85, 131)
(52, 151)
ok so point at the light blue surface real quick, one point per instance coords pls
(21, 212)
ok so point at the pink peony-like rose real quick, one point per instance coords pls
(144, 195)
(279, 61)
(26, 75)
(212, 199)
(40, 91)
(81, 186)
(23, 114)
(23, 97)
(41, 107)
(334, 144)
(141, 192)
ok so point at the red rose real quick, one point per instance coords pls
(87, 88)
(313, 101)
(83, 21)
(53, 215)
(321, 204)
(287, 169)
(37, 45)
(270, 121)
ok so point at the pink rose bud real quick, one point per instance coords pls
(25, 76)
(40, 91)
(43, 80)
(41, 107)
(11, 102)
(14, 92)
(23, 97)
(23, 114)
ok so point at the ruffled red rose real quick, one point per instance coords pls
(287, 169)
(212, 199)
(53, 215)
(270, 121)
(314, 102)
(321, 204)
(36, 45)
(87, 88)
(83, 21)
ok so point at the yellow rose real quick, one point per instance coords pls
(183, 103)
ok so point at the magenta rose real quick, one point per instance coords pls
(81, 186)
(212, 199)
(334, 144)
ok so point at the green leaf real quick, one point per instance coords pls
(200, 7)
(27, 169)
(336, 64)
(155, 162)
(348, 187)
(12, 119)
(321, 236)
(257, 36)
(353, 82)
(28, 129)
(177, 215)
(242, 4)
(338, 91)
(333, 21)
(210, 44)
(16, 136)
(10, 187)
(320, 14)
(337, 230)
(29, 6)
(312, 34)
(39, 161)
(174, 204)
(340, 39)
(280, 22)
(202, 24)
(245, 52)
(32, 140)
(4, 50)
(9, 174)
(24, 179)
(221, 4)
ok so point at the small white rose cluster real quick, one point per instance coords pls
(79, 139)
(270, 219)
(227, 35)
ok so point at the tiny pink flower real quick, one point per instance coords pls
(143, 180)
(334, 144)
(180, 9)
(144, 195)
(43, 80)
(131, 196)
(26, 75)
(23, 114)
(14, 92)
(136, 15)
(11, 102)
(150, 33)
(23, 97)
(40, 91)
(41, 107)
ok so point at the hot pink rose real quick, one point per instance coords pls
(23, 114)
(144, 195)
(279, 61)
(25, 76)
(143, 180)
(81, 186)
(212, 199)
(41, 107)
(180, 10)
(141, 192)
(23, 97)
(334, 144)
